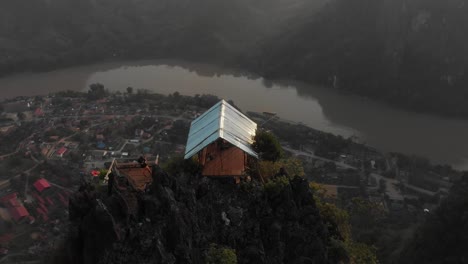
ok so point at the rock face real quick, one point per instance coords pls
(181, 216)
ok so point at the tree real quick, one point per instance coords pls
(96, 91)
(267, 146)
(342, 247)
(21, 115)
(221, 255)
(129, 90)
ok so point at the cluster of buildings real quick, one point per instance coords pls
(29, 213)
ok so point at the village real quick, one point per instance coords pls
(52, 144)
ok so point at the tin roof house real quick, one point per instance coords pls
(222, 137)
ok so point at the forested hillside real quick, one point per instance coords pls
(46, 34)
(409, 53)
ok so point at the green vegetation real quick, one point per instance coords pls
(267, 146)
(97, 91)
(102, 174)
(221, 255)
(178, 165)
(290, 166)
(342, 246)
(275, 186)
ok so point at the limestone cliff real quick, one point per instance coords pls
(180, 217)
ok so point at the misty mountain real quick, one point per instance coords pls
(409, 53)
(45, 34)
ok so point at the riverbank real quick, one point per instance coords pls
(386, 128)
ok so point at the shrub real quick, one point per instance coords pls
(177, 165)
(274, 186)
(221, 255)
(267, 146)
(293, 167)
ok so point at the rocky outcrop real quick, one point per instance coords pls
(181, 216)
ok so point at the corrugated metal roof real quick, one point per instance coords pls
(221, 121)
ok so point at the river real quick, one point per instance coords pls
(443, 140)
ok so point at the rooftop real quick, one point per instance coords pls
(139, 177)
(18, 212)
(41, 185)
(221, 121)
(61, 151)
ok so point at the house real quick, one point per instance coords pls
(61, 152)
(5, 200)
(128, 180)
(138, 175)
(222, 138)
(41, 185)
(18, 213)
(38, 112)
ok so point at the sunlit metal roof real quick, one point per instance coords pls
(221, 121)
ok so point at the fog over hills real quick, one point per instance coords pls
(410, 53)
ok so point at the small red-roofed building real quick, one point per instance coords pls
(62, 199)
(38, 198)
(43, 208)
(7, 198)
(50, 201)
(18, 213)
(13, 203)
(41, 185)
(61, 152)
(38, 112)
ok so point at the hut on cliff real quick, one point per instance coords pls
(222, 138)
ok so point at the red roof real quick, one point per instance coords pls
(63, 200)
(18, 212)
(41, 185)
(14, 202)
(43, 208)
(38, 197)
(38, 112)
(50, 201)
(61, 151)
(8, 197)
(95, 173)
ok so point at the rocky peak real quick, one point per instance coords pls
(180, 217)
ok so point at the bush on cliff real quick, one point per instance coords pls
(221, 255)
